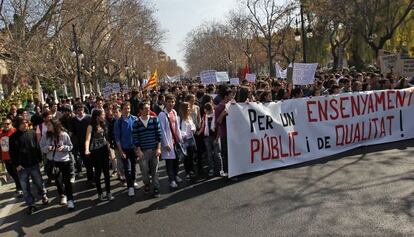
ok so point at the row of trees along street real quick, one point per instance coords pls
(117, 40)
(337, 33)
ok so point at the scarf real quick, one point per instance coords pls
(206, 125)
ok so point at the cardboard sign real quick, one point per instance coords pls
(388, 63)
(222, 77)
(251, 78)
(405, 67)
(304, 73)
(235, 81)
(208, 77)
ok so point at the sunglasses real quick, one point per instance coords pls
(7, 124)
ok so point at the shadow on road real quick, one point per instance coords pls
(87, 208)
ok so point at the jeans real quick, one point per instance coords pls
(213, 154)
(172, 168)
(100, 161)
(189, 159)
(199, 152)
(224, 153)
(149, 164)
(62, 178)
(129, 167)
(81, 158)
(119, 163)
(24, 176)
(13, 173)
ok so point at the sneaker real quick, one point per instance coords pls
(110, 197)
(71, 205)
(131, 192)
(156, 193)
(223, 174)
(45, 200)
(178, 179)
(211, 173)
(31, 210)
(19, 193)
(72, 180)
(63, 200)
(102, 197)
(146, 189)
(114, 173)
(136, 186)
(173, 184)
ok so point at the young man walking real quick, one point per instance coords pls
(123, 139)
(170, 137)
(147, 139)
(26, 156)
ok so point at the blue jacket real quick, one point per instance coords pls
(123, 131)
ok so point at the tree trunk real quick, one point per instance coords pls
(269, 57)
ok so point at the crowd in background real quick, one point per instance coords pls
(179, 122)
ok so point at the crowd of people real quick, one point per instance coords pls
(180, 122)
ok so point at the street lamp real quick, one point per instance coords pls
(304, 34)
(77, 53)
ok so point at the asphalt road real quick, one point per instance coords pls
(365, 192)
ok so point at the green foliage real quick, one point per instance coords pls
(17, 98)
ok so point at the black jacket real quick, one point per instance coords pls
(24, 149)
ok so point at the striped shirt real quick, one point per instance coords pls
(146, 137)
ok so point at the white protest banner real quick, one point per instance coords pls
(405, 67)
(208, 77)
(388, 63)
(267, 136)
(304, 73)
(107, 91)
(222, 77)
(251, 78)
(235, 81)
(116, 88)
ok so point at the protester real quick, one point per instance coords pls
(6, 132)
(97, 150)
(171, 138)
(123, 137)
(80, 123)
(220, 116)
(187, 129)
(57, 145)
(147, 140)
(26, 155)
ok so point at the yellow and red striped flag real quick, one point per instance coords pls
(153, 81)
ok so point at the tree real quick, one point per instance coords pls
(378, 20)
(267, 19)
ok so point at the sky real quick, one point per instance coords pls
(178, 17)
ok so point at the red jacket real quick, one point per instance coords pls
(4, 143)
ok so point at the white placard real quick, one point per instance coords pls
(279, 72)
(251, 78)
(235, 81)
(272, 135)
(107, 91)
(208, 77)
(222, 77)
(116, 88)
(304, 73)
(125, 89)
